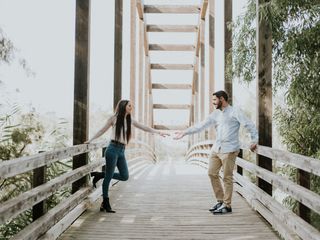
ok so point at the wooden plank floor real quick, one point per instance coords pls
(169, 200)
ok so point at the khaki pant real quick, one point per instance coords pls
(227, 162)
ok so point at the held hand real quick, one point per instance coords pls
(179, 135)
(253, 147)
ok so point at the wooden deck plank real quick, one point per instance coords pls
(169, 201)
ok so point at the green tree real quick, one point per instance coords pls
(296, 59)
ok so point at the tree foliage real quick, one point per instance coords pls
(296, 59)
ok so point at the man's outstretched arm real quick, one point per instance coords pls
(196, 128)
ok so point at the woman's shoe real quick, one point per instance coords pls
(96, 177)
(105, 206)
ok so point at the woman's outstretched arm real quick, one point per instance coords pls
(105, 128)
(148, 129)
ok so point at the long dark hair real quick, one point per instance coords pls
(120, 113)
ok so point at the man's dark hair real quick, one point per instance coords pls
(220, 94)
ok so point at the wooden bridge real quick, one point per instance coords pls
(165, 199)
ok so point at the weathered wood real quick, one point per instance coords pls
(117, 52)
(38, 178)
(203, 10)
(146, 94)
(171, 47)
(133, 33)
(303, 195)
(202, 81)
(81, 85)
(151, 211)
(195, 77)
(171, 106)
(211, 60)
(25, 164)
(146, 41)
(171, 86)
(71, 216)
(26, 200)
(228, 49)
(177, 9)
(264, 88)
(140, 9)
(296, 224)
(197, 44)
(304, 181)
(308, 164)
(171, 127)
(140, 83)
(172, 28)
(283, 230)
(172, 66)
(43, 224)
(240, 169)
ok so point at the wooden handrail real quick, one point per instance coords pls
(25, 164)
(288, 224)
(13, 207)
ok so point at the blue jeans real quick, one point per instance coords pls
(114, 155)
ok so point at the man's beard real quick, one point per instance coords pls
(219, 105)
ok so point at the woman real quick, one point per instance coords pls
(121, 132)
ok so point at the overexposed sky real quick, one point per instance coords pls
(43, 32)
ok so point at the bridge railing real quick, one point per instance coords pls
(56, 220)
(287, 223)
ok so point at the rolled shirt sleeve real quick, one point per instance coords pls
(247, 124)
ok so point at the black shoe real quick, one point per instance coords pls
(96, 177)
(215, 207)
(223, 209)
(105, 206)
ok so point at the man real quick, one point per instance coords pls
(226, 120)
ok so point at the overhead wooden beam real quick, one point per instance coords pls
(170, 127)
(140, 9)
(81, 86)
(171, 47)
(171, 106)
(172, 28)
(172, 66)
(177, 9)
(171, 86)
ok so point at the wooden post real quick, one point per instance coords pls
(39, 178)
(264, 92)
(227, 48)
(196, 96)
(203, 74)
(81, 86)
(211, 59)
(304, 180)
(140, 86)
(240, 169)
(133, 17)
(117, 52)
(146, 95)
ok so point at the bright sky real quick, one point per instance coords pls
(43, 31)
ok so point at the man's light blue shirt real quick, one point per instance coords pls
(227, 123)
